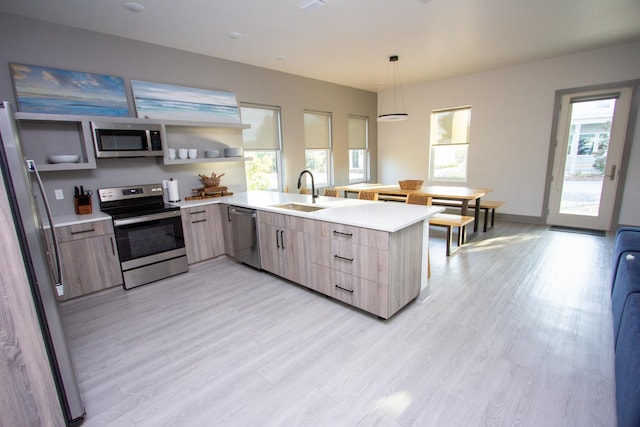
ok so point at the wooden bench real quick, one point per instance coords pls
(485, 205)
(450, 221)
(489, 205)
(392, 198)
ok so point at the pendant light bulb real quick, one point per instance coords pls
(396, 114)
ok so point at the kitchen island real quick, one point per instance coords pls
(368, 254)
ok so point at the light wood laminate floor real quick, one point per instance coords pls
(517, 332)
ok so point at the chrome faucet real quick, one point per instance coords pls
(313, 185)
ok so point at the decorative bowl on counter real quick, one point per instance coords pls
(211, 181)
(411, 184)
(233, 152)
(63, 158)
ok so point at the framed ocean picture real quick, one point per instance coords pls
(161, 101)
(56, 91)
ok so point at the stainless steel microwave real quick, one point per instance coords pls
(126, 139)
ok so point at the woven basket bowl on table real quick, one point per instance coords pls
(411, 184)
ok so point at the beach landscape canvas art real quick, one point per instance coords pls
(56, 91)
(161, 101)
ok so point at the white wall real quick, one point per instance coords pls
(512, 112)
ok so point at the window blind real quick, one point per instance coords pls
(317, 130)
(264, 133)
(358, 133)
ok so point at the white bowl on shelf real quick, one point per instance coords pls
(233, 152)
(210, 154)
(63, 158)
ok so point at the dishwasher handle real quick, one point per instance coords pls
(243, 212)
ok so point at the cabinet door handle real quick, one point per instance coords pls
(91, 230)
(277, 240)
(197, 212)
(340, 233)
(228, 214)
(343, 258)
(344, 289)
(282, 238)
(113, 248)
(199, 220)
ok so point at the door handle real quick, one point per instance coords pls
(612, 176)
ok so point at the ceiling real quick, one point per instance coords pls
(348, 42)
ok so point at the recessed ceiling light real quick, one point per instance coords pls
(281, 57)
(134, 7)
(234, 35)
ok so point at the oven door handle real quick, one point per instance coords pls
(145, 218)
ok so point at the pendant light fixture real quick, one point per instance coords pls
(395, 114)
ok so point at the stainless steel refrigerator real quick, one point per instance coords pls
(26, 195)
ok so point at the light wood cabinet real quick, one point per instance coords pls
(29, 396)
(88, 257)
(283, 245)
(368, 295)
(203, 232)
(376, 271)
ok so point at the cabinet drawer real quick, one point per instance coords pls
(356, 291)
(203, 235)
(355, 235)
(84, 230)
(362, 261)
(298, 223)
(290, 222)
(271, 218)
(198, 214)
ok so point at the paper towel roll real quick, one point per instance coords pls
(172, 188)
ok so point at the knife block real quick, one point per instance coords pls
(82, 204)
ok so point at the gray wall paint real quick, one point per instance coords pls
(38, 43)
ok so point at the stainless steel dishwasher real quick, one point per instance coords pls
(245, 235)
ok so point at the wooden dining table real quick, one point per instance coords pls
(443, 192)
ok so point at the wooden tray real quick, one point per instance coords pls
(210, 192)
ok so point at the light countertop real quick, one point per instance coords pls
(73, 219)
(384, 216)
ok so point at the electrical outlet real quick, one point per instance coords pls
(59, 194)
(60, 289)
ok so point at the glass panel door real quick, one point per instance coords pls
(590, 127)
(590, 138)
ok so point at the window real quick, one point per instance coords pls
(317, 140)
(358, 149)
(262, 142)
(449, 144)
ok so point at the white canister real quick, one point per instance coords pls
(193, 153)
(183, 153)
(172, 153)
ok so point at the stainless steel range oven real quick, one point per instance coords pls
(148, 233)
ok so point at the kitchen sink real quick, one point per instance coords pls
(300, 207)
